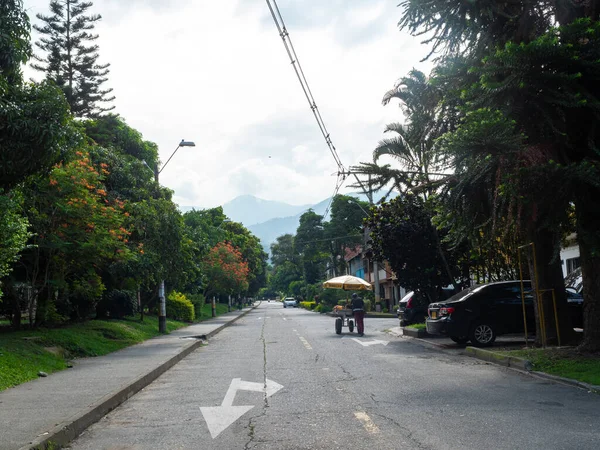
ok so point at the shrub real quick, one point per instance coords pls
(179, 307)
(118, 304)
(198, 301)
(308, 305)
(367, 305)
(323, 308)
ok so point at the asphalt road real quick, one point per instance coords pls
(282, 379)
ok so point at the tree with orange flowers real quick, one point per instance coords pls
(225, 270)
(79, 230)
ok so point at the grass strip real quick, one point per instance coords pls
(25, 353)
(417, 326)
(564, 362)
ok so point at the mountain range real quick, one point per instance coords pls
(268, 219)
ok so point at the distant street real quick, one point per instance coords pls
(280, 378)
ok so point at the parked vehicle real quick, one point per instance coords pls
(412, 308)
(289, 301)
(575, 301)
(574, 281)
(478, 314)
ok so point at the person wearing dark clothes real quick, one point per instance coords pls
(358, 310)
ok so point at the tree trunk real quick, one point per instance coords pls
(587, 207)
(550, 276)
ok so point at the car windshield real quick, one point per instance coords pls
(464, 293)
(475, 289)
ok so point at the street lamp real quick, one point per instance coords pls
(162, 312)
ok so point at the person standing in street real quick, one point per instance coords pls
(358, 310)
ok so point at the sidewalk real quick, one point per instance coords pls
(58, 408)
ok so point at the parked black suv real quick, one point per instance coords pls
(412, 308)
(480, 313)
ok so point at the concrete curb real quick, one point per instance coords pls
(580, 384)
(414, 332)
(67, 431)
(519, 364)
(496, 358)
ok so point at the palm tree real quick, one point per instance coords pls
(413, 143)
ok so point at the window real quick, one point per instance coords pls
(572, 264)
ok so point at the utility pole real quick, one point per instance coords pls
(369, 194)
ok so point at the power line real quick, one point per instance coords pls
(289, 47)
(329, 239)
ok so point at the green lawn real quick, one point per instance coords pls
(562, 362)
(418, 326)
(206, 311)
(24, 353)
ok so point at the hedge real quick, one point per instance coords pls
(179, 307)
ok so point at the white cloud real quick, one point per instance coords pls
(217, 73)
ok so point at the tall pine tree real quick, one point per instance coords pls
(68, 61)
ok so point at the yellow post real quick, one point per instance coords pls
(523, 296)
(539, 299)
(556, 316)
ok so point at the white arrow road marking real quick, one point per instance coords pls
(218, 418)
(368, 343)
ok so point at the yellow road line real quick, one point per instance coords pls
(367, 422)
(305, 342)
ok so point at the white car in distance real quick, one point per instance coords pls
(289, 301)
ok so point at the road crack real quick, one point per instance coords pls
(251, 422)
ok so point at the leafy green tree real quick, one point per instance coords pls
(311, 244)
(13, 232)
(543, 73)
(403, 234)
(283, 275)
(69, 61)
(34, 118)
(283, 250)
(344, 228)
(112, 132)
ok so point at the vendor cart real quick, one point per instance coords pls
(343, 318)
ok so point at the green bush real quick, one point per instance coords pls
(198, 301)
(322, 308)
(179, 307)
(367, 305)
(118, 304)
(308, 305)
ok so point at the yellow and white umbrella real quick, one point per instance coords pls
(348, 283)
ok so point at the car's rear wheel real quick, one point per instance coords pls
(460, 339)
(338, 325)
(482, 334)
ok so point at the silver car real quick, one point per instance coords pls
(289, 301)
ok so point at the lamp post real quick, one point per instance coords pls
(375, 264)
(162, 312)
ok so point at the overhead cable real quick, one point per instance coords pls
(289, 47)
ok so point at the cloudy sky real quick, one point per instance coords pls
(216, 73)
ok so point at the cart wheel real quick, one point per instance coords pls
(338, 325)
(351, 325)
